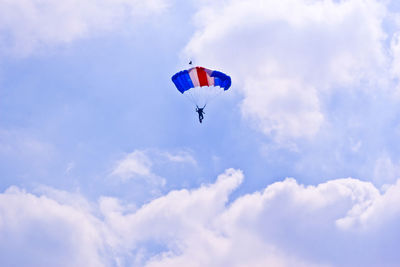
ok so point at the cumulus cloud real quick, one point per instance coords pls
(28, 24)
(286, 56)
(39, 231)
(343, 222)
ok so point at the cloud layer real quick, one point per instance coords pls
(286, 57)
(343, 222)
(29, 24)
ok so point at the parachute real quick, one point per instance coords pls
(201, 85)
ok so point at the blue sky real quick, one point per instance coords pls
(103, 162)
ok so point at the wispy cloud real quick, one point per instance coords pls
(134, 164)
(29, 24)
(18, 144)
(140, 164)
(179, 157)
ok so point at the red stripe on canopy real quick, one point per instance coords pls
(201, 73)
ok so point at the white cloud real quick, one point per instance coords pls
(285, 55)
(17, 144)
(385, 170)
(395, 52)
(134, 164)
(39, 231)
(395, 49)
(180, 157)
(284, 225)
(140, 163)
(343, 222)
(28, 24)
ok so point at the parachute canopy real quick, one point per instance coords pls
(198, 77)
(201, 84)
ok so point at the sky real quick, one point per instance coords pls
(103, 161)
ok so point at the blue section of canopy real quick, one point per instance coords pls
(221, 79)
(182, 81)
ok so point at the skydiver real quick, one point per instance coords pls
(201, 112)
(190, 62)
